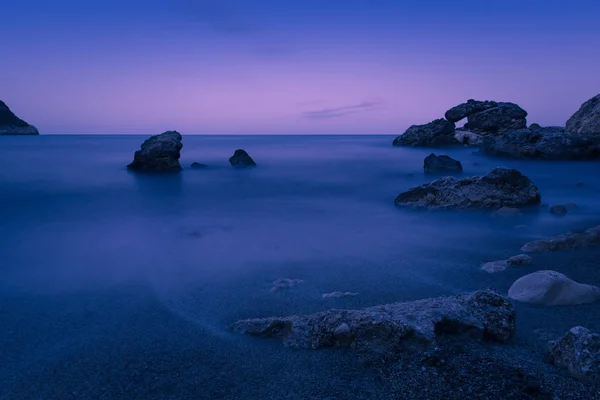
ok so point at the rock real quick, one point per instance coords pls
(521, 259)
(468, 138)
(436, 133)
(10, 124)
(551, 288)
(159, 153)
(388, 329)
(284, 283)
(558, 210)
(337, 295)
(550, 143)
(503, 187)
(578, 352)
(241, 159)
(497, 266)
(504, 117)
(586, 121)
(434, 164)
(534, 127)
(463, 110)
(575, 240)
(196, 165)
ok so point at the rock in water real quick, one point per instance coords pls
(497, 266)
(434, 164)
(558, 210)
(549, 143)
(463, 110)
(578, 352)
(504, 117)
(197, 165)
(389, 328)
(436, 133)
(589, 238)
(10, 124)
(503, 187)
(586, 121)
(551, 288)
(241, 159)
(159, 153)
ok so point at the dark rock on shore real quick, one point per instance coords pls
(503, 187)
(504, 117)
(388, 329)
(10, 124)
(434, 164)
(549, 143)
(241, 159)
(159, 153)
(197, 165)
(588, 238)
(436, 133)
(586, 121)
(463, 110)
(578, 352)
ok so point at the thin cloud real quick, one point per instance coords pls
(325, 113)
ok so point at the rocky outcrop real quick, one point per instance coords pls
(434, 164)
(434, 134)
(574, 240)
(471, 107)
(586, 121)
(10, 124)
(503, 187)
(497, 266)
(549, 143)
(551, 288)
(390, 328)
(159, 153)
(241, 159)
(504, 117)
(578, 352)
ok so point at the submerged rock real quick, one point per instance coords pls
(503, 187)
(10, 124)
(497, 266)
(438, 164)
(586, 121)
(159, 153)
(471, 107)
(436, 133)
(337, 295)
(197, 165)
(507, 212)
(588, 238)
(284, 283)
(551, 288)
(241, 159)
(549, 143)
(390, 328)
(558, 210)
(578, 352)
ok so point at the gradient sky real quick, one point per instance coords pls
(291, 66)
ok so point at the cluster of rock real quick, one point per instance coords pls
(588, 238)
(161, 153)
(10, 124)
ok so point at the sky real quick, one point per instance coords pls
(290, 66)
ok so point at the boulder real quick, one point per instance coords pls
(504, 117)
(434, 164)
(575, 240)
(463, 110)
(388, 329)
(197, 165)
(586, 121)
(159, 153)
(551, 288)
(549, 143)
(497, 266)
(241, 159)
(436, 133)
(10, 124)
(503, 187)
(578, 352)
(466, 137)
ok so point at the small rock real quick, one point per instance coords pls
(521, 259)
(574, 240)
(434, 164)
(196, 165)
(578, 352)
(558, 210)
(497, 266)
(285, 283)
(241, 159)
(551, 288)
(337, 295)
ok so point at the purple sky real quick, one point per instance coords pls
(293, 66)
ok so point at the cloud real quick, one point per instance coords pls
(342, 111)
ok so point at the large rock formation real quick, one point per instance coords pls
(390, 328)
(503, 187)
(504, 117)
(586, 121)
(159, 153)
(471, 107)
(551, 288)
(434, 164)
(10, 124)
(549, 143)
(435, 134)
(241, 159)
(588, 238)
(578, 352)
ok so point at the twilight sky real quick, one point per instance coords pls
(290, 66)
